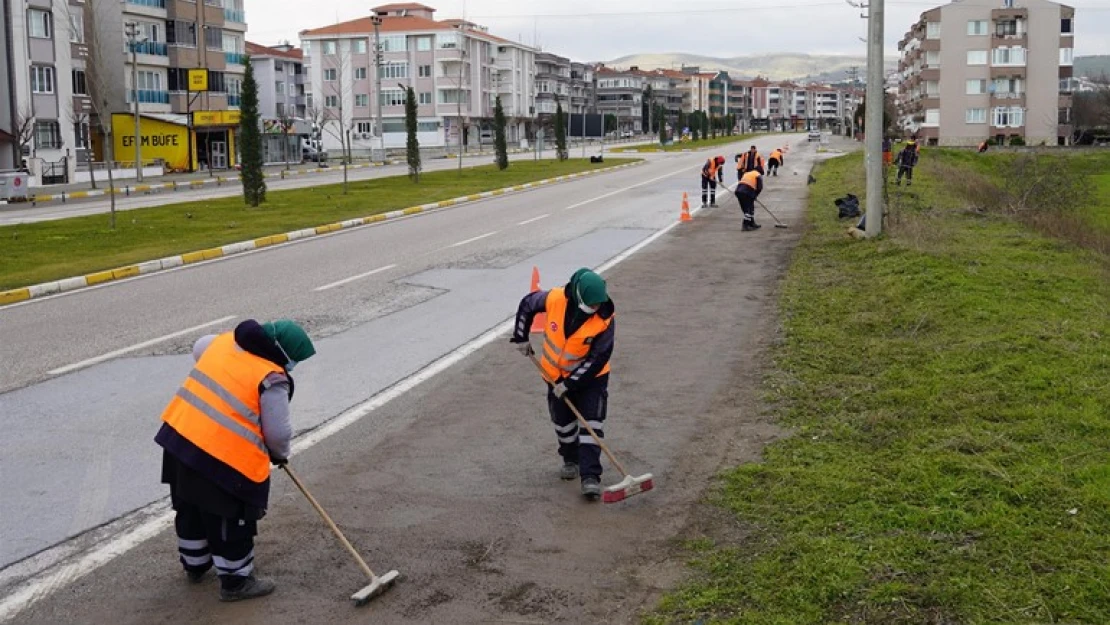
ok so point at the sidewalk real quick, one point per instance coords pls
(455, 482)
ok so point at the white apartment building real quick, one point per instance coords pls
(282, 102)
(978, 69)
(456, 69)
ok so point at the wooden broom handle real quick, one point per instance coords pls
(331, 524)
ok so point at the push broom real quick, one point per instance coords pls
(377, 585)
(627, 487)
(778, 223)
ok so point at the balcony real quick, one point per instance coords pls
(931, 73)
(152, 48)
(147, 96)
(235, 58)
(234, 100)
(1011, 13)
(1008, 71)
(1008, 99)
(237, 17)
(1009, 41)
(154, 4)
(1066, 71)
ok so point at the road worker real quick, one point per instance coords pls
(888, 155)
(749, 161)
(578, 342)
(906, 161)
(747, 190)
(711, 174)
(983, 146)
(774, 162)
(225, 426)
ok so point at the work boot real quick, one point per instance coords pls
(749, 226)
(569, 471)
(251, 588)
(196, 576)
(712, 205)
(703, 205)
(591, 488)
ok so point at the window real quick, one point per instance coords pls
(425, 71)
(976, 57)
(179, 33)
(394, 43)
(329, 48)
(149, 81)
(1008, 117)
(39, 24)
(76, 26)
(393, 97)
(932, 117)
(233, 43)
(360, 46)
(81, 135)
(932, 30)
(331, 101)
(48, 135)
(1006, 28)
(1066, 56)
(279, 87)
(362, 99)
(932, 88)
(423, 44)
(42, 79)
(1008, 56)
(425, 97)
(932, 58)
(80, 83)
(427, 126)
(977, 27)
(1065, 26)
(330, 74)
(395, 70)
(976, 87)
(360, 73)
(1007, 87)
(307, 47)
(447, 41)
(152, 32)
(976, 116)
(214, 38)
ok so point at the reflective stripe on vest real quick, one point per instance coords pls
(750, 179)
(218, 407)
(562, 354)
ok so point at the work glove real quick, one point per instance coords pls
(278, 462)
(525, 349)
(559, 389)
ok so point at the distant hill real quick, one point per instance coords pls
(815, 67)
(1091, 66)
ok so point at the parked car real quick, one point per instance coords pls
(814, 135)
(627, 134)
(312, 151)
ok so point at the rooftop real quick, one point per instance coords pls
(256, 49)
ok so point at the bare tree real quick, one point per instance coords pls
(286, 121)
(337, 120)
(98, 63)
(24, 129)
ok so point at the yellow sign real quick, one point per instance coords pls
(198, 80)
(160, 140)
(216, 118)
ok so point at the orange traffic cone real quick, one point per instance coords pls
(539, 322)
(685, 209)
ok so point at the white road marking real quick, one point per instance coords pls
(628, 188)
(534, 219)
(147, 526)
(473, 239)
(353, 278)
(119, 352)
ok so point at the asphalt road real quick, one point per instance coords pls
(88, 372)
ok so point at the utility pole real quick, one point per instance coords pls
(458, 100)
(876, 104)
(134, 38)
(377, 21)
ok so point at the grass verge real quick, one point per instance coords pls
(947, 388)
(41, 252)
(689, 145)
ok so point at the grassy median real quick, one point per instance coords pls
(948, 388)
(703, 144)
(41, 252)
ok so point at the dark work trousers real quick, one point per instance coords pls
(908, 171)
(746, 197)
(711, 185)
(576, 445)
(204, 539)
(773, 166)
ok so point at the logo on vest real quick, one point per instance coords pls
(554, 327)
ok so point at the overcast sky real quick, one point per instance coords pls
(592, 30)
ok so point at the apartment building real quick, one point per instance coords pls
(583, 98)
(456, 68)
(553, 84)
(9, 144)
(620, 93)
(667, 89)
(978, 69)
(282, 103)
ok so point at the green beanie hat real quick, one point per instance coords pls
(292, 338)
(591, 288)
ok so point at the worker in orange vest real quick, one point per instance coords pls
(748, 161)
(577, 346)
(774, 162)
(220, 433)
(711, 174)
(747, 190)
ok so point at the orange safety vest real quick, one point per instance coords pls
(218, 407)
(750, 179)
(563, 354)
(742, 164)
(710, 169)
(777, 155)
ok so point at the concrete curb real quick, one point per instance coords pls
(79, 282)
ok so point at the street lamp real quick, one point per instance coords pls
(134, 38)
(377, 22)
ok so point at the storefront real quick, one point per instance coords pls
(215, 137)
(165, 137)
(281, 140)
